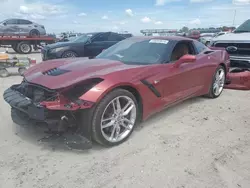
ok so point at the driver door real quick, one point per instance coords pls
(97, 45)
(180, 82)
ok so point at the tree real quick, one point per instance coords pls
(185, 29)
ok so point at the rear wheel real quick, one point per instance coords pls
(69, 54)
(114, 118)
(4, 72)
(24, 47)
(34, 33)
(217, 83)
(14, 47)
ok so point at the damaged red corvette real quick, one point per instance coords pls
(103, 98)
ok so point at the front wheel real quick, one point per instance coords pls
(69, 54)
(114, 118)
(217, 83)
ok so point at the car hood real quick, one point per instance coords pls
(61, 73)
(233, 37)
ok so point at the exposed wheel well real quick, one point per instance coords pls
(137, 96)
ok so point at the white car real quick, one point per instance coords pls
(237, 44)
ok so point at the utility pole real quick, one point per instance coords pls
(234, 16)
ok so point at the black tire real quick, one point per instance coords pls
(34, 33)
(69, 54)
(19, 117)
(21, 70)
(4, 72)
(211, 93)
(24, 47)
(96, 119)
(14, 47)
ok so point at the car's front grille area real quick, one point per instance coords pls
(34, 92)
(55, 72)
(242, 48)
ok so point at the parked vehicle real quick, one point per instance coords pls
(221, 33)
(205, 38)
(194, 34)
(237, 44)
(21, 27)
(86, 45)
(104, 98)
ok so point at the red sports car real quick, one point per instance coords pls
(104, 98)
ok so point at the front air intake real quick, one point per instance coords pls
(55, 72)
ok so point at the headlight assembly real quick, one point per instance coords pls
(55, 50)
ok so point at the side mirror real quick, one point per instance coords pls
(185, 59)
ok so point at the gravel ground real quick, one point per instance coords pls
(201, 143)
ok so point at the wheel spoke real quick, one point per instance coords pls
(118, 104)
(221, 75)
(216, 89)
(111, 123)
(113, 105)
(126, 106)
(117, 132)
(217, 77)
(125, 113)
(128, 121)
(127, 127)
(112, 133)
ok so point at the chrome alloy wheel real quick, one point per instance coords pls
(118, 119)
(219, 82)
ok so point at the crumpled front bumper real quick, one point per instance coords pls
(22, 103)
(32, 114)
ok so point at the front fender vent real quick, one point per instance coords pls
(55, 72)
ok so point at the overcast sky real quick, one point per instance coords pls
(129, 15)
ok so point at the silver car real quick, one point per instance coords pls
(21, 27)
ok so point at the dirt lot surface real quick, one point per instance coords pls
(197, 144)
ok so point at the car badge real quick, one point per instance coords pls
(231, 48)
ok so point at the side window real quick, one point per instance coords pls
(181, 49)
(101, 37)
(199, 46)
(12, 21)
(115, 37)
(24, 22)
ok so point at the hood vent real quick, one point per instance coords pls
(55, 72)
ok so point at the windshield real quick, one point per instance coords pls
(82, 38)
(245, 27)
(131, 51)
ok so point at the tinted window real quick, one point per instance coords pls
(101, 37)
(24, 22)
(12, 21)
(199, 46)
(115, 37)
